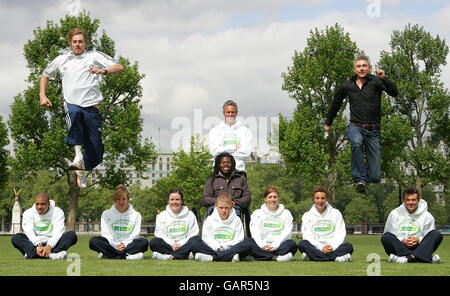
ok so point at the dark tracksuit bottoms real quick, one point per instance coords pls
(84, 126)
(423, 251)
(242, 248)
(101, 245)
(159, 245)
(288, 246)
(21, 242)
(316, 255)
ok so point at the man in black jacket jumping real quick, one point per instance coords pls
(364, 92)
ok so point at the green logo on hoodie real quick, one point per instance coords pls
(43, 227)
(177, 229)
(223, 233)
(408, 228)
(122, 226)
(273, 226)
(323, 228)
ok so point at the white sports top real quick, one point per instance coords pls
(80, 87)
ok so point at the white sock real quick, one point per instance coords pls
(78, 153)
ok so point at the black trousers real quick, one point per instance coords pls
(242, 248)
(262, 255)
(159, 245)
(101, 245)
(21, 242)
(316, 255)
(423, 252)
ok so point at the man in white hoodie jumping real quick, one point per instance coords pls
(409, 233)
(323, 231)
(44, 231)
(231, 136)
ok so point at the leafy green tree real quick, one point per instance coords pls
(39, 132)
(190, 172)
(361, 209)
(415, 62)
(312, 80)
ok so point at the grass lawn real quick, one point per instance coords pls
(12, 263)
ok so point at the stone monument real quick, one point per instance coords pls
(16, 214)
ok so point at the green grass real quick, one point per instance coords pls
(12, 263)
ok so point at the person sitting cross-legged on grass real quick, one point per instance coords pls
(271, 229)
(175, 229)
(409, 233)
(222, 234)
(323, 231)
(44, 234)
(120, 230)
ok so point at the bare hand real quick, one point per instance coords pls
(121, 247)
(96, 70)
(327, 128)
(327, 249)
(380, 73)
(176, 246)
(269, 248)
(44, 101)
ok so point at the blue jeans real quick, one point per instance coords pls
(365, 169)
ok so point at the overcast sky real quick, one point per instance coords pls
(197, 54)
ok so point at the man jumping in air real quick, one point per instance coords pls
(80, 72)
(364, 92)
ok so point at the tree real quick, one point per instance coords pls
(415, 63)
(39, 132)
(315, 75)
(190, 172)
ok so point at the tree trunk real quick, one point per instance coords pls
(73, 194)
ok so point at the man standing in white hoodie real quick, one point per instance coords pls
(323, 231)
(409, 233)
(44, 231)
(231, 136)
(121, 227)
(222, 234)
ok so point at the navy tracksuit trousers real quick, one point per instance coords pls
(84, 126)
(423, 252)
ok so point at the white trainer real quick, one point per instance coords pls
(344, 258)
(77, 165)
(436, 259)
(160, 256)
(137, 256)
(57, 256)
(203, 257)
(81, 179)
(286, 257)
(235, 258)
(397, 259)
(305, 257)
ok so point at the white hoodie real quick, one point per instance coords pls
(120, 227)
(176, 228)
(224, 138)
(47, 228)
(323, 229)
(218, 233)
(269, 227)
(402, 224)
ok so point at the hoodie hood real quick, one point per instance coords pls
(237, 124)
(276, 213)
(129, 211)
(316, 213)
(49, 211)
(422, 207)
(182, 214)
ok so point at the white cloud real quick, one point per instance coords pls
(195, 57)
